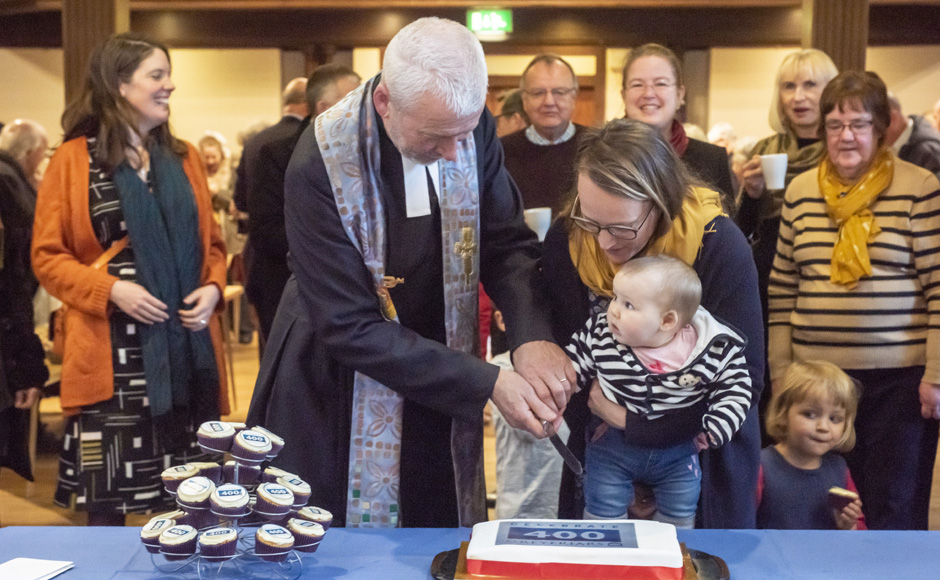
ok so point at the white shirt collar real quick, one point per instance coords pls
(533, 136)
(417, 196)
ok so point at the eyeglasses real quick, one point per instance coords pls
(557, 94)
(857, 127)
(618, 231)
(659, 86)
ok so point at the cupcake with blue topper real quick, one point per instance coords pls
(273, 543)
(277, 442)
(215, 436)
(251, 447)
(315, 514)
(307, 535)
(173, 476)
(178, 542)
(274, 501)
(150, 533)
(299, 487)
(218, 544)
(229, 501)
(271, 474)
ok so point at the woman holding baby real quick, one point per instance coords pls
(635, 198)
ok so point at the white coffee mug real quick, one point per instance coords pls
(539, 219)
(774, 167)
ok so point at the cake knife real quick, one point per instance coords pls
(570, 460)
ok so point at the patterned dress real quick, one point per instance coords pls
(111, 461)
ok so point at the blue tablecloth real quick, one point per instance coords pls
(347, 554)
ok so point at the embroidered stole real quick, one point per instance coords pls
(348, 139)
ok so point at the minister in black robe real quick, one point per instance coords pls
(328, 325)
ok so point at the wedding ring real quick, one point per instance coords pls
(562, 380)
(202, 322)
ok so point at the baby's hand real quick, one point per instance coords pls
(848, 517)
(701, 441)
(612, 413)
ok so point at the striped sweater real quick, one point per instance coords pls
(889, 320)
(712, 392)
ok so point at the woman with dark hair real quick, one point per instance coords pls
(856, 282)
(635, 198)
(653, 92)
(142, 362)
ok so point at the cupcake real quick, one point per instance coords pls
(274, 500)
(229, 501)
(150, 534)
(218, 544)
(215, 436)
(251, 446)
(181, 517)
(307, 535)
(299, 487)
(238, 426)
(271, 474)
(195, 492)
(315, 514)
(247, 474)
(173, 476)
(208, 469)
(178, 542)
(277, 443)
(273, 543)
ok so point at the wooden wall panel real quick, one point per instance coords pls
(839, 28)
(85, 23)
(681, 29)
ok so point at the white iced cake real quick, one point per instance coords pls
(563, 549)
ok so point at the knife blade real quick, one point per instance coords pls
(570, 460)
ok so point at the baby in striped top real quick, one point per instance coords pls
(672, 381)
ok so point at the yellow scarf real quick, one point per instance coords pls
(849, 209)
(683, 241)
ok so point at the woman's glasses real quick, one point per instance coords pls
(857, 127)
(658, 86)
(618, 231)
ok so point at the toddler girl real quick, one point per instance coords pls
(810, 417)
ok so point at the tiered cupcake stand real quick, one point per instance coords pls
(245, 562)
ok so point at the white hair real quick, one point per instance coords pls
(21, 137)
(721, 131)
(743, 148)
(437, 57)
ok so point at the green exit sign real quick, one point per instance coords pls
(489, 21)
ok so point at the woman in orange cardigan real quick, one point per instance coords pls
(142, 363)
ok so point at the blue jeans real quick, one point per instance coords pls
(612, 466)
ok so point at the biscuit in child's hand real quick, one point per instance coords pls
(839, 498)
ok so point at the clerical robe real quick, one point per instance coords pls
(329, 325)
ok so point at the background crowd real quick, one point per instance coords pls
(138, 233)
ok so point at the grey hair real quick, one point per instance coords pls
(894, 102)
(549, 59)
(21, 137)
(437, 57)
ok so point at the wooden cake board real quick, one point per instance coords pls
(689, 572)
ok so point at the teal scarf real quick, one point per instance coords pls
(179, 365)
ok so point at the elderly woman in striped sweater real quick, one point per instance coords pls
(856, 281)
